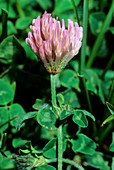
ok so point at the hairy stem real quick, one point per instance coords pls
(59, 130)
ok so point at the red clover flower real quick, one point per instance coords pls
(53, 43)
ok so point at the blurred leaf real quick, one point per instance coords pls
(112, 147)
(94, 84)
(6, 93)
(96, 21)
(103, 51)
(11, 49)
(65, 113)
(111, 29)
(96, 160)
(45, 167)
(64, 5)
(68, 78)
(49, 149)
(23, 23)
(60, 99)
(45, 4)
(83, 144)
(4, 117)
(108, 119)
(71, 98)
(80, 119)
(7, 163)
(110, 107)
(18, 143)
(11, 28)
(29, 52)
(16, 110)
(46, 118)
(11, 11)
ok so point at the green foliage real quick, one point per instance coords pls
(23, 23)
(96, 160)
(45, 167)
(83, 145)
(46, 118)
(68, 78)
(96, 22)
(28, 129)
(6, 93)
(11, 51)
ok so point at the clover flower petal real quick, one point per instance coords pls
(53, 43)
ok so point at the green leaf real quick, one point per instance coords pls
(110, 107)
(45, 167)
(71, 98)
(64, 5)
(23, 117)
(6, 93)
(11, 11)
(86, 113)
(68, 78)
(108, 119)
(39, 104)
(83, 144)
(4, 117)
(60, 99)
(80, 119)
(94, 84)
(18, 143)
(112, 147)
(46, 118)
(7, 163)
(16, 110)
(49, 149)
(96, 20)
(45, 4)
(11, 50)
(96, 160)
(11, 28)
(65, 113)
(23, 23)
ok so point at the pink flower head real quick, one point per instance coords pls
(53, 43)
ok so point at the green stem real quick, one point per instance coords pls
(75, 10)
(19, 8)
(53, 89)
(76, 165)
(83, 49)
(101, 36)
(73, 163)
(60, 149)
(59, 130)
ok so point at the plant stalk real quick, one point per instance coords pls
(59, 130)
(83, 49)
(75, 11)
(101, 36)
